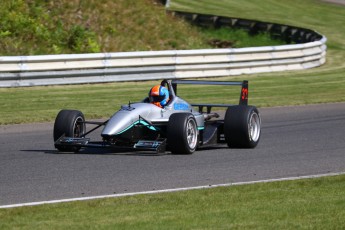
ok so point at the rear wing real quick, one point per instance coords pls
(243, 94)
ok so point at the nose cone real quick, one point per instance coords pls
(126, 117)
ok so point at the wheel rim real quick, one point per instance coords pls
(78, 129)
(191, 134)
(254, 127)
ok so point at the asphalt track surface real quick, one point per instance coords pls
(296, 141)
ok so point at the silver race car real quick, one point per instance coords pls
(179, 127)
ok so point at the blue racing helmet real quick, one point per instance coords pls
(159, 95)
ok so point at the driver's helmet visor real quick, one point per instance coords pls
(156, 98)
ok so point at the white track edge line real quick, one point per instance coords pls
(169, 190)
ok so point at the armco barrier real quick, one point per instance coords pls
(152, 65)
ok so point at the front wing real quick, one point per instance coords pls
(159, 146)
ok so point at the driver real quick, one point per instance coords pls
(159, 96)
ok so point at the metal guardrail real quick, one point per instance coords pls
(20, 71)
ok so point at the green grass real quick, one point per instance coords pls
(41, 104)
(304, 204)
(237, 38)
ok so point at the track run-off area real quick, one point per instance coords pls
(296, 142)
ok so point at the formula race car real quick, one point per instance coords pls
(179, 127)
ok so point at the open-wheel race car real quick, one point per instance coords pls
(178, 127)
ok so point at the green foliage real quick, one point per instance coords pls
(29, 27)
(80, 39)
(79, 26)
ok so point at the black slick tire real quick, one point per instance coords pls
(68, 123)
(242, 126)
(182, 133)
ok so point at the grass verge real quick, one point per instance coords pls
(41, 104)
(303, 204)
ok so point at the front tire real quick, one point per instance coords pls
(69, 123)
(182, 133)
(242, 126)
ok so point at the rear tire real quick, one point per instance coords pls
(182, 133)
(242, 126)
(70, 124)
